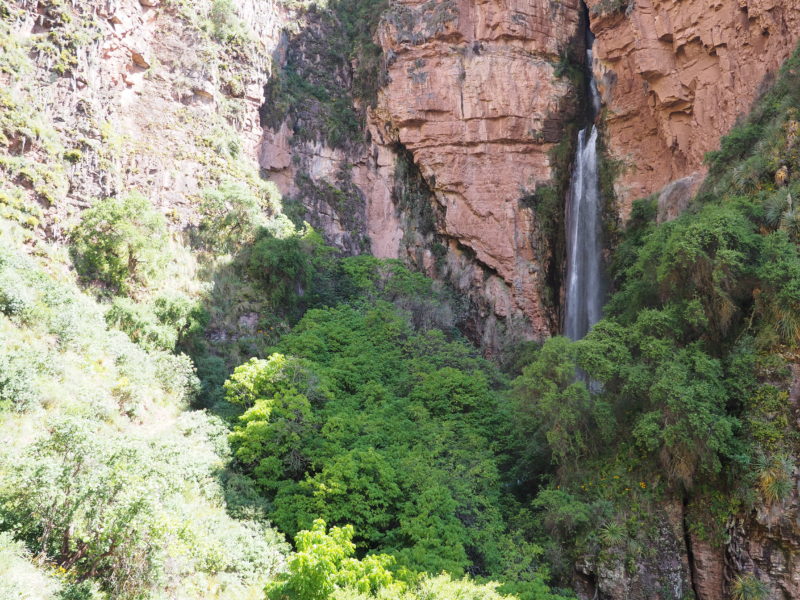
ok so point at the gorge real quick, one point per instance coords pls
(399, 299)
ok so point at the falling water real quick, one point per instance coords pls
(584, 290)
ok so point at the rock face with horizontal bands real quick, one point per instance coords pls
(473, 95)
(676, 75)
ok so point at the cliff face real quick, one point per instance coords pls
(135, 95)
(473, 94)
(159, 98)
(675, 77)
(766, 543)
(471, 90)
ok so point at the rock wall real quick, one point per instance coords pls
(139, 92)
(766, 545)
(675, 75)
(473, 95)
(658, 570)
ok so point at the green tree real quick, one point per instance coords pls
(296, 272)
(120, 243)
(274, 438)
(553, 401)
(360, 419)
(323, 563)
(232, 212)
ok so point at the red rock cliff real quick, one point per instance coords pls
(675, 75)
(473, 95)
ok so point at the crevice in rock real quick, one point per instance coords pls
(582, 298)
(687, 541)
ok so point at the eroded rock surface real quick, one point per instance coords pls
(676, 75)
(473, 95)
(659, 571)
(152, 82)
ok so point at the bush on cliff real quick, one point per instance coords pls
(120, 244)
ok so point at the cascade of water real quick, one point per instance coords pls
(593, 91)
(584, 288)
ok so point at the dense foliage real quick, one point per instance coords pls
(366, 415)
(120, 243)
(680, 392)
(95, 479)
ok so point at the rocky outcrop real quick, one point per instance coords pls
(708, 567)
(312, 145)
(676, 75)
(765, 545)
(474, 97)
(654, 567)
(674, 198)
(141, 94)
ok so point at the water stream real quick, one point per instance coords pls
(585, 282)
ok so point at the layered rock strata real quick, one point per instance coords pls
(676, 75)
(473, 95)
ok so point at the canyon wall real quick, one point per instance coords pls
(108, 98)
(675, 75)
(476, 92)
(474, 98)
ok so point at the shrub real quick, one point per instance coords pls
(79, 499)
(120, 243)
(774, 473)
(123, 510)
(16, 299)
(177, 375)
(227, 26)
(19, 373)
(141, 324)
(296, 272)
(553, 403)
(156, 326)
(232, 212)
(212, 372)
(323, 562)
(748, 587)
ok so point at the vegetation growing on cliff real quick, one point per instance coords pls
(332, 73)
(686, 379)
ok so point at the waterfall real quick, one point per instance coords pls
(585, 282)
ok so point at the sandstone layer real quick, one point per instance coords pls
(676, 75)
(473, 95)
